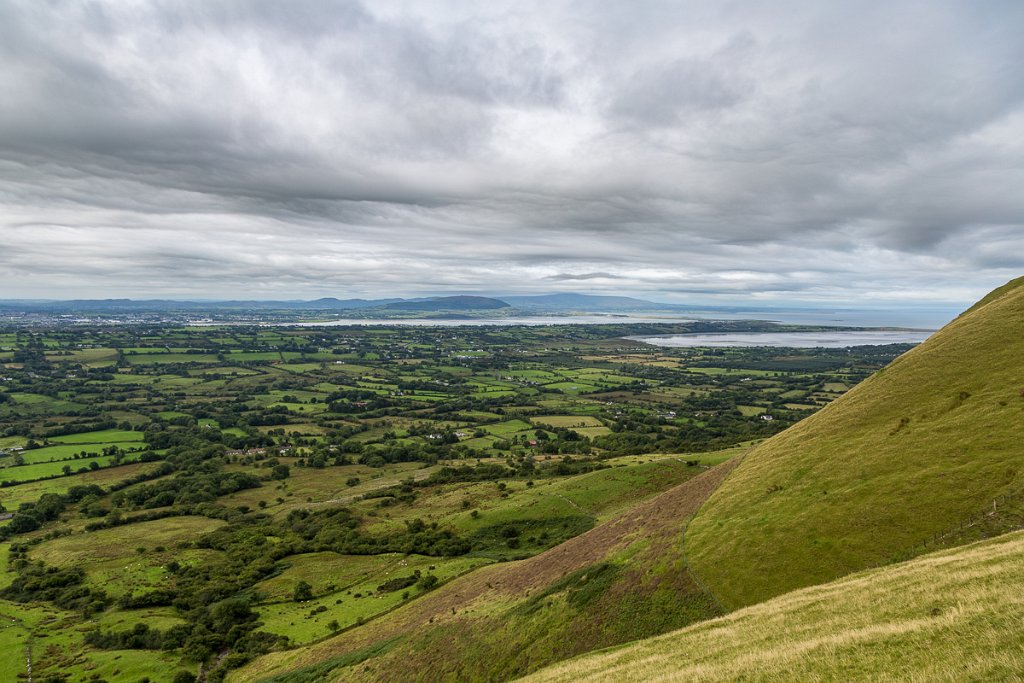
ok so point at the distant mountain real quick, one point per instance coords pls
(169, 305)
(544, 304)
(547, 303)
(449, 303)
(330, 303)
(585, 302)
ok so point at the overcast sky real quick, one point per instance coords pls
(703, 152)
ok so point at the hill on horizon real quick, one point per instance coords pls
(449, 303)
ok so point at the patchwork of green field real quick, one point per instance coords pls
(166, 358)
(93, 358)
(324, 456)
(601, 588)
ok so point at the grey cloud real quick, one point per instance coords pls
(565, 277)
(818, 152)
(661, 94)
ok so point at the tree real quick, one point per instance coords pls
(303, 592)
(280, 472)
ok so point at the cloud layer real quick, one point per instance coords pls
(687, 151)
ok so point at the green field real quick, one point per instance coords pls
(70, 451)
(105, 436)
(121, 542)
(44, 470)
(356, 597)
(539, 480)
(568, 421)
(12, 497)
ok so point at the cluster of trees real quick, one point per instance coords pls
(187, 488)
(63, 587)
(337, 529)
(226, 625)
(49, 506)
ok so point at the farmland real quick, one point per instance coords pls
(178, 496)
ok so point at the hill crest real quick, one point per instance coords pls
(907, 454)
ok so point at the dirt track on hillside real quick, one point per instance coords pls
(660, 520)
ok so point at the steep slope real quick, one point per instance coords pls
(621, 581)
(949, 616)
(908, 454)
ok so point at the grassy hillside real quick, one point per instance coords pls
(949, 616)
(621, 581)
(909, 454)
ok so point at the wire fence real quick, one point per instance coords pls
(935, 541)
